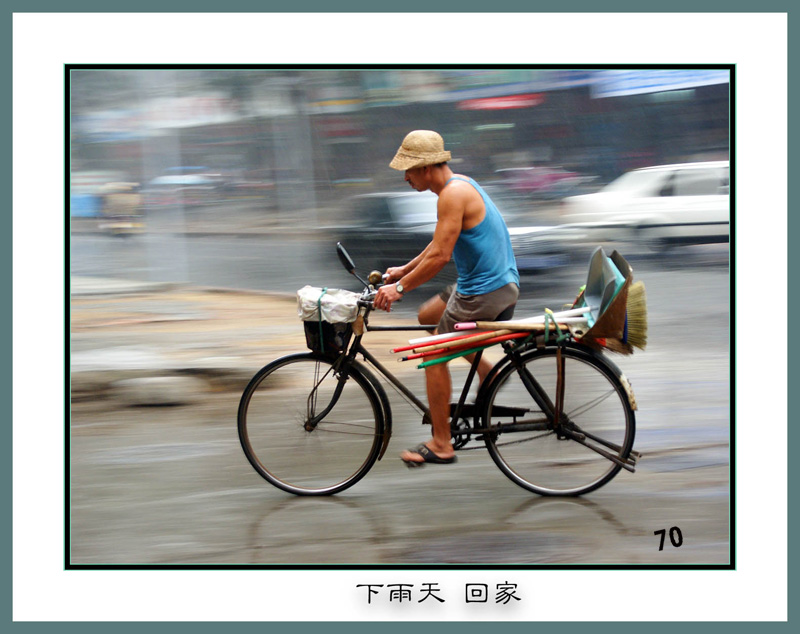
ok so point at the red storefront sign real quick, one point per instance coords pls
(503, 103)
(339, 126)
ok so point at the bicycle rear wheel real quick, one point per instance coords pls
(307, 429)
(596, 411)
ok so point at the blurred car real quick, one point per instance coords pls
(661, 206)
(390, 229)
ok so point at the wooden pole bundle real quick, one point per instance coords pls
(470, 347)
(572, 315)
(475, 339)
(530, 326)
(451, 338)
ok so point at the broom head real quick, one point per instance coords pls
(637, 316)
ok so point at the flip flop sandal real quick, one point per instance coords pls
(427, 456)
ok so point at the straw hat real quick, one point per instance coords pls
(420, 148)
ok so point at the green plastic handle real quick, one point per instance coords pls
(463, 353)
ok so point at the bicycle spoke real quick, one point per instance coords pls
(523, 440)
(326, 427)
(311, 403)
(579, 411)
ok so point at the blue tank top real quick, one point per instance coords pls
(483, 254)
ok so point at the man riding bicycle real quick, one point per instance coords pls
(471, 230)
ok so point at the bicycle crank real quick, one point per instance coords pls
(461, 433)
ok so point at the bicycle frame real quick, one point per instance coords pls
(459, 409)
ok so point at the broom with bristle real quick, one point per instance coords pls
(636, 319)
(635, 330)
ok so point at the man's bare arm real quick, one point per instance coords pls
(452, 206)
(438, 253)
(397, 272)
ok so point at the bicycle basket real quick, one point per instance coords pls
(328, 316)
(327, 338)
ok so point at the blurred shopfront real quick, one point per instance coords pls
(300, 138)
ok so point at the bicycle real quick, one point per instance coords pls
(557, 417)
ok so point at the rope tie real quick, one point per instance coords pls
(550, 317)
(319, 311)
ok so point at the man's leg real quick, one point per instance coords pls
(437, 379)
(430, 313)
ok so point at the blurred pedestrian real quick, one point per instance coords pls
(471, 230)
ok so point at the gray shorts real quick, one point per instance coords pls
(495, 306)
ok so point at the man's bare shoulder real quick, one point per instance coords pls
(457, 191)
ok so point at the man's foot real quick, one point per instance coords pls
(421, 454)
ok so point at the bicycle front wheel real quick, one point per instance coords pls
(529, 446)
(309, 429)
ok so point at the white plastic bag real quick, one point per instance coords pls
(338, 306)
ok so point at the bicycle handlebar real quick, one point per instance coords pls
(366, 298)
(376, 278)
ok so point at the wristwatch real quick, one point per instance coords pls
(400, 288)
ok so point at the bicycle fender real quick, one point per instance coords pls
(628, 391)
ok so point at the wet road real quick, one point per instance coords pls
(170, 485)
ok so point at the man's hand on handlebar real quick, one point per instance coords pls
(393, 274)
(386, 296)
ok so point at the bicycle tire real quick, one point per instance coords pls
(333, 453)
(595, 404)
